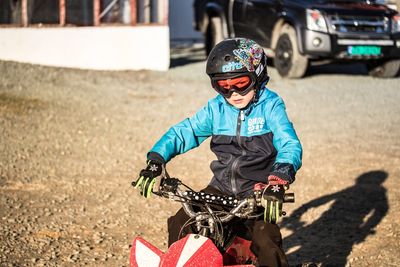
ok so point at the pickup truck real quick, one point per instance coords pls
(297, 33)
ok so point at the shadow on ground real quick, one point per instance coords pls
(352, 216)
(338, 69)
(187, 54)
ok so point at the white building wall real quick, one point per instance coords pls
(99, 48)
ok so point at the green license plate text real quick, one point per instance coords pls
(363, 50)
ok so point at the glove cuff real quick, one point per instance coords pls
(284, 171)
(274, 180)
(157, 158)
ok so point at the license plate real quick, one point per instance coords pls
(364, 50)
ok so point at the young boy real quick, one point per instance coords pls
(252, 137)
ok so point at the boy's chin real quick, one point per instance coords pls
(239, 106)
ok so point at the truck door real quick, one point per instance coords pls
(260, 17)
(238, 17)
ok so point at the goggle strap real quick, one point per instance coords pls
(259, 69)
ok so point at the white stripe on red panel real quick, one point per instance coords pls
(145, 257)
(193, 243)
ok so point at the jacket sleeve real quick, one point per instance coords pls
(182, 137)
(286, 142)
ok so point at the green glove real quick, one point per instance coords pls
(148, 178)
(272, 200)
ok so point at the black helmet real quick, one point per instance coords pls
(237, 57)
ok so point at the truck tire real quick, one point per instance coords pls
(213, 34)
(288, 61)
(385, 69)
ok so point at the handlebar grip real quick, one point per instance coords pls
(288, 197)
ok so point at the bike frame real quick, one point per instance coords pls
(199, 249)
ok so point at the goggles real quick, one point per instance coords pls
(241, 84)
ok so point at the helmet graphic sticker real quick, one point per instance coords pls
(232, 66)
(249, 54)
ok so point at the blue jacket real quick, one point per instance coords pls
(249, 144)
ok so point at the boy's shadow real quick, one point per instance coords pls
(352, 216)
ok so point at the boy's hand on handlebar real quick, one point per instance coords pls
(148, 177)
(272, 198)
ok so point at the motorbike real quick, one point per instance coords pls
(211, 243)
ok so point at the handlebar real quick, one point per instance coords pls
(171, 185)
(240, 207)
(288, 198)
(209, 219)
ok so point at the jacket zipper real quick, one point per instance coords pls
(235, 163)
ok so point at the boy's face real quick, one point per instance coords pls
(240, 101)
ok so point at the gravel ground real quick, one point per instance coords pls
(71, 142)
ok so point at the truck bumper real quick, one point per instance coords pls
(326, 46)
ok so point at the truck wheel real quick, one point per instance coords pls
(386, 69)
(288, 61)
(213, 34)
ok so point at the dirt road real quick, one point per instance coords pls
(71, 141)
